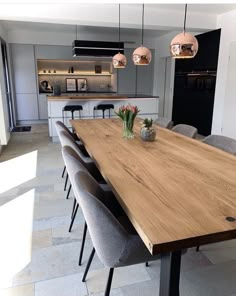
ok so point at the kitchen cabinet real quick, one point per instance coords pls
(135, 79)
(126, 78)
(145, 76)
(24, 71)
(53, 52)
(24, 75)
(27, 107)
(43, 107)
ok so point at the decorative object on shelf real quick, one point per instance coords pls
(70, 84)
(69, 70)
(127, 114)
(82, 84)
(72, 69)
(147, 132)
(142, 55)
(184, 45)
(119, 60)
(45, 87)
(98, 69)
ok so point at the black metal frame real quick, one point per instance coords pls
(170, 273)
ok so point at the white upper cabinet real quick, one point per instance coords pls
(24, 71)
(53, 52)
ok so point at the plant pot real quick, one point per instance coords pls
(148, 134)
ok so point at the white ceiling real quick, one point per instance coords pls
(215, 9)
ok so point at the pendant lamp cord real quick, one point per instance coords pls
(142, 24)
(185, 15)
(119, 27)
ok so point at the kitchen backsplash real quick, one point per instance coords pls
(94, 83)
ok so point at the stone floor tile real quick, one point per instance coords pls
(220, 252)
(61, 235)
(25, 290)
(55, 261)
(114, 292)
(70, 285)
(42, 239)
(96, 280)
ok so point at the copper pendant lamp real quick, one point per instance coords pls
(119, 60)
(142, 55)
(184, 45)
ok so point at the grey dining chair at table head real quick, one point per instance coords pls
(223, 143)
(60, 126)
(164, 122)
(73, 164)
(186, 130)
(116, 242)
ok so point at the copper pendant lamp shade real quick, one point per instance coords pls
(119, 60)
(142, 55)
(184, 45)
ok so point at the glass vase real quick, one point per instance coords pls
(128, 130)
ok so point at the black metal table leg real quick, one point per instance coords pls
(170, 273)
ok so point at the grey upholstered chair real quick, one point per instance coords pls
(224, 143)
(73, 164)
(60, 126)
(164, 122)
(115, 241)
(186, 130)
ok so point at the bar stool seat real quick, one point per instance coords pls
(72, 109)
(103, 107)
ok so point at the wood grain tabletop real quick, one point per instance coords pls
(176, 191)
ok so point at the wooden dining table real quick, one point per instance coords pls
(177, 192)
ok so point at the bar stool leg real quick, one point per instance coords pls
(109, 113)
(103, 113)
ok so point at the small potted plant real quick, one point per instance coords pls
(147, 132)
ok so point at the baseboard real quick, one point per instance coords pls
(31, 122)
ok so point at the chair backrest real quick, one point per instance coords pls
(60, 126)
(224, 143)
(67, 140)
(186, 130)
(108, 235)
(73, 165)
(164, 122)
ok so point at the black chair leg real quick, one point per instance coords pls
(68, 192)
(82, 245)
(73, 209)
(109, 281)
(73, 218)
(88, 265)
(63, 172)
(197, 248)
(66, 182)
(147, 264)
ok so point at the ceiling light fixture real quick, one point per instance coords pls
(119, 60)
(142, 55)
(184, 45)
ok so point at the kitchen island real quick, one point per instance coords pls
(148, 106)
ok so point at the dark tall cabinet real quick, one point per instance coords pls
(194, 87)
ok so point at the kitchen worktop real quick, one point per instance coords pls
(96, 96)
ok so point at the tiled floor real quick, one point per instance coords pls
(38, 256)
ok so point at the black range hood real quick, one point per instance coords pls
(96, 48)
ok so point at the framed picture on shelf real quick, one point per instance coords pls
(71, 85)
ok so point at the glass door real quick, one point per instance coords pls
(7, 84)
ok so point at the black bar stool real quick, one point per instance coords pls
(72, 109)
(103, 107)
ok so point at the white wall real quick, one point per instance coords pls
(227, 23)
